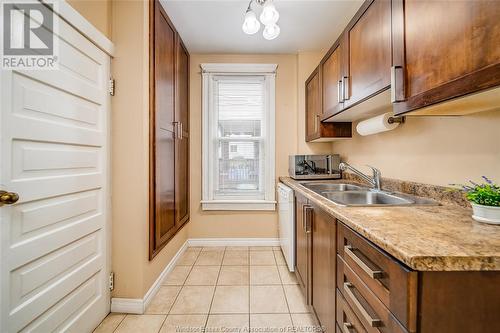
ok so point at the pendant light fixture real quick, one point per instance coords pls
(251, 25)
(269, 17)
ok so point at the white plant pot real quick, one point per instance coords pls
(486, 214)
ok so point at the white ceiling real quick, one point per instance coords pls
(208, 26)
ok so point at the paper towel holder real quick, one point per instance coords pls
(399, 120)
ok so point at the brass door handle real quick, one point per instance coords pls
(8, 198)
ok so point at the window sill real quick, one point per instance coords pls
(238, 205)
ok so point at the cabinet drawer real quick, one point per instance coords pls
(347, 322)
(371, 312)
(393, 284)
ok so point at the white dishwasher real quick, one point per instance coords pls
(286, 208)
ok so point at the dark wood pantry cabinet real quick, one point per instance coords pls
(169, 131)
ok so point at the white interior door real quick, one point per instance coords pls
(54, 155)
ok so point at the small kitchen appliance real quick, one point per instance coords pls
(314, 166)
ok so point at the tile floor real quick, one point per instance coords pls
(222, 289)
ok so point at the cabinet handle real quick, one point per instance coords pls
(373, 322)
(181, 130)
(316, 123)
(339, 92)
(308, 221)
(304, 218)
(348, 328)
(374, 274)
(345, 85)
(177, 129)
(397, 84)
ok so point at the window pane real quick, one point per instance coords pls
(240, 108)
(238, 167)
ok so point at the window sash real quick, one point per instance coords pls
(217, 193)
(264, 198)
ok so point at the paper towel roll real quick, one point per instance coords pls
(376, 125)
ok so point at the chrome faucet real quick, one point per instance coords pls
(373, 181)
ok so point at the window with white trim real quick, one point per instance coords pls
(238, 136)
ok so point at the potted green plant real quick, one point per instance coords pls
(485, 201)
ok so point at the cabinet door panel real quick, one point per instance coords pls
(165, 192)
(182, 86)
(323, 268)
(182, 180)
(164, 71)
(445, 50)
(302, 243)
(182, 143)
(369, 59)
(313, 106)
(332, 76)
(468, 40)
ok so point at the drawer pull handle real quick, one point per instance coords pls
(348, 328)
(373, 322)
(374, 274)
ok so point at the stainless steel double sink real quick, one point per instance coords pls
(355, 195)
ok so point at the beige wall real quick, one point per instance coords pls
(130, 130)
(242, 224)
(433, 150)
(97, 12)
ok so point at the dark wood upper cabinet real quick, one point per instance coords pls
(169, 145)
(323, 267)
(313, 105)
(367, 54)
(444, 50)
(413, 55)
(315, 129)
(332, 74)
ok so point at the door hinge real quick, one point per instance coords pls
(111, 281)
(111, 87)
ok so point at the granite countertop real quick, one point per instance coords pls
(425, 238)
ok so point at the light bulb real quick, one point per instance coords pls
(271, 31)
(269, 14)
(251, 25)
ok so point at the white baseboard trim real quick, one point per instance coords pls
(234, 242)
(127, 305)
(138, 305)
